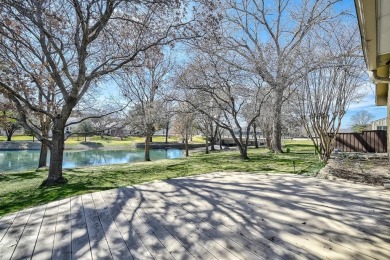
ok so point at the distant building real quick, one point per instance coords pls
(380, 124)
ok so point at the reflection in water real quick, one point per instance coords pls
(28, 159)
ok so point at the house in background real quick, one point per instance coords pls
(380, 124)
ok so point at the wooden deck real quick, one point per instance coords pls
(212, 216)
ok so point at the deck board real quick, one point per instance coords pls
(79, 233)
(45, 241)
(210, 216)
(5, 223)
(97, 240)
(13, 235)
(26, 244)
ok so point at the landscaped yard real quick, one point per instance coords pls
(21, 190)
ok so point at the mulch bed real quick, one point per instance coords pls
(372, 169)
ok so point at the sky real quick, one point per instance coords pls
(368, 103)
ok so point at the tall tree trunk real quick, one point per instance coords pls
(56, 158)
(277, 122)
(213, 136)
(220, 140)
(212, 143)
(255, 132)
(186, 144)
(207, 144)
(9, 132)
(43, 156)
(241, 146)
(166, 132)
(147, 143)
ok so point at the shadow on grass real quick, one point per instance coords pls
(92, 144)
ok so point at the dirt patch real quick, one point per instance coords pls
(372, 169)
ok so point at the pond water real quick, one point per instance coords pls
(11, 161)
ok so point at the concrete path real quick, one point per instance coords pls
(211, 216)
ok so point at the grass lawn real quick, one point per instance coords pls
(299, 146)
(107, 142)
(21, 190)
(18, 138)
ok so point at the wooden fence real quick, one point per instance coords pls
(367, 141)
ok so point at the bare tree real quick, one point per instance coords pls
(326, 92)
(211, 84)
(360, 120)
(208, 128)
(184, 123)
(78, 43)
(143, 87)
(267, 37)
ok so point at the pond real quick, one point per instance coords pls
(21, 160)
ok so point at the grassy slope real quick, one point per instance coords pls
(21, 190)
(108, 142)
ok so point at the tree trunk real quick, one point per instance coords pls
(243, 152)
(56, 158)
(9, 133)
(213, 137)
(220, 140)
(256, 142)
(207, 145)
(43, 156)
(186, 145)
(147, 143)
(277, 123)
(166, 133)
(241, 146)
(212, 144)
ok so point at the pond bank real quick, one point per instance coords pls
(29, 145)
(17, 145)
(170, 145)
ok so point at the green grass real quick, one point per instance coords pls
(18, 138)
(22, 190)
(299, 146)
(108, 142)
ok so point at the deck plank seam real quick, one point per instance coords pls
(39, 231)
(206, 234)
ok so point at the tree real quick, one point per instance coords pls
(86, 128)
(208, 128)
(7, 121)
(167, 112)
(143, 87)
(212, 86)
(360, 120)
(184, 124)
(78, 44)
(268, 37)
(326, 92)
